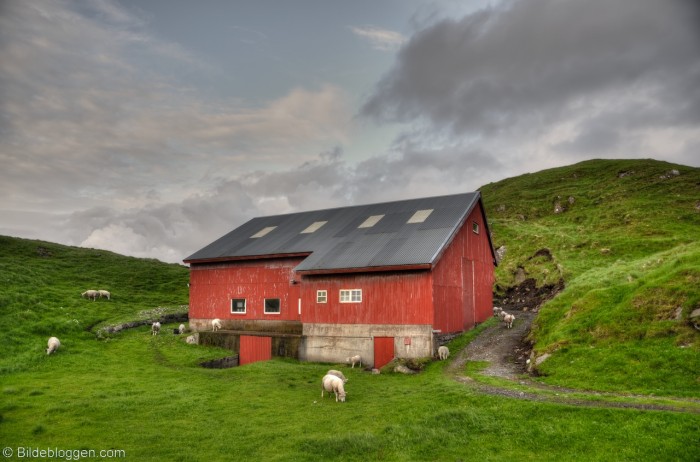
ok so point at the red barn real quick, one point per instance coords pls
(379, 280)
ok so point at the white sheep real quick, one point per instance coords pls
(333, 384)
(53, 345)
(155, 328)
(104, 293)
(338, 374)
(191, 339)
(357, 359)
(443, 352)
(502, 314)
(215, 324)
(90, 294)
(497, 310)
(181, 329)
(508, 319)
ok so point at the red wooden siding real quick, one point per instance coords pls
(383, 351)
(253, 348)
(387, 298)
(463, 278)
(212, 286)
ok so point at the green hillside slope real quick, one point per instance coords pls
(41, 287)
(623, 235)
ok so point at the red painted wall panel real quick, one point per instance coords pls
(212, 286)
(387, 298)
(463, 278)
(253, 348)
(383, 351)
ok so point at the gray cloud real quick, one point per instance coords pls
(526, 66)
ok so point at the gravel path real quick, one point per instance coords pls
(504, 349)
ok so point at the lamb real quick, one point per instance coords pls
(215, 324)
(155, 328)
(90, 294)
(181, 329)
(53, 345)
(333, 384)
(338, 374)
(443, 352)
(354, 360)
(496, 311)
(508, 319)
(104, 293)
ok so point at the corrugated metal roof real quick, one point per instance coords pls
(340, 244)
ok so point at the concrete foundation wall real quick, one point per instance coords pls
(319, 342)
(336, 342)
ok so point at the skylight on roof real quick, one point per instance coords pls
(263, 232)
(420, 216)
(371, 221)
(313, 227)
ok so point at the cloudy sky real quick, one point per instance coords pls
(152, 127)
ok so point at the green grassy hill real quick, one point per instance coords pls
(624, 236)
(41, 287)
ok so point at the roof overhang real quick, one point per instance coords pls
(367, 269)
(248, 258)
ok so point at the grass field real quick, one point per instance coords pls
(614, 328)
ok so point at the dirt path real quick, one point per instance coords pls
(504, 349)
(507, 351)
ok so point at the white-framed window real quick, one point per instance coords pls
(272, 306)
(321, 296)
(238, 305)
(475, 227)
(350, 295)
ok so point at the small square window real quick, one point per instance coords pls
(321, 296)
(351, 296)
(238, 306)
(475, 227)
(272, 306)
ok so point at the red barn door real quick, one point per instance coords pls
(383, 351)
(254, 349)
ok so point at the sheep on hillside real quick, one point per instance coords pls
(357, 359)
(508, 319)
(53, 345)
(338, 374)
(215, 324)
(333, 384)
(90, 294)
(155, 328)
(105, 294)
(443, 352)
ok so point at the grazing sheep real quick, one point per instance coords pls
(338, 374)
(443, 352)
(181, 329)
(104, 293)
(91, 294)
(508, 319)
(333, 384)
(354, 360)
(53, 345)
(191, 339)
(496, 311)
(155, 328)
(215, 324)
